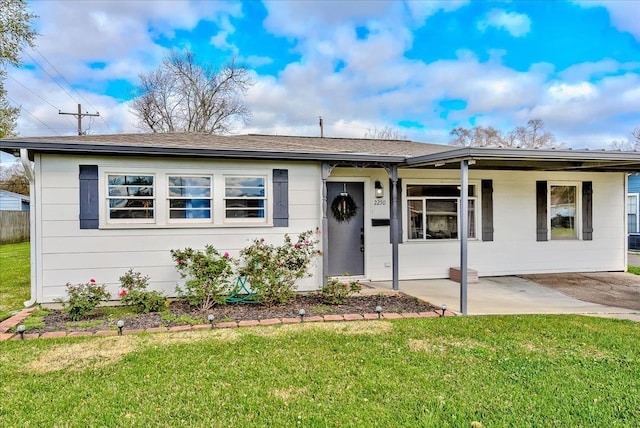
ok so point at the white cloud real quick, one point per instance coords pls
(517, 24)
(625, 15)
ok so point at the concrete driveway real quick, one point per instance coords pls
(502, 296)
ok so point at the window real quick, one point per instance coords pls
(632, 213)
(131, 197)
(189, 197)
(433, 211)
(244, 197)
(562, 210)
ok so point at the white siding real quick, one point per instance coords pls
(69, 254)
(514, 249)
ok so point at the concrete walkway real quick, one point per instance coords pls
(502, 296)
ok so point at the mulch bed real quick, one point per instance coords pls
(58, 320)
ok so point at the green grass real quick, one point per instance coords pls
(15, 277)
(443, 372)
(634, 270)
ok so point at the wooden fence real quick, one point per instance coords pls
(14, 226)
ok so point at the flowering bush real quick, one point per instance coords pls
(208, 276)
(336, 292)
(134, 293)
(272, 270)
(83, 298)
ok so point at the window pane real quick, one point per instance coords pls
(245, 197)
(416, 229)
(442, 219)
(131, 214)
(563, 212)
(245, 214)
(189, 197)
(633, 223)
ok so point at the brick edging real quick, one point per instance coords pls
(19, 317)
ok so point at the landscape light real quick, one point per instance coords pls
(120, 325)
(379, 311)
(210, 317)
(444, 308)
(302, 313)
(21, 328)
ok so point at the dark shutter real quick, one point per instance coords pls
(280, 198)
(587, 210)
(399, 187)
(541, 210)
(487, 210)
(89, 211)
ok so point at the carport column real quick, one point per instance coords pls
(464, 231)
(395, 233)
(326, 171)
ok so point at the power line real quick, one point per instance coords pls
(54, 80)
(30, 90)
(29, 113)
(80, 115)
(71, 86)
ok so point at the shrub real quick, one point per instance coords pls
(83, 298)
(134, 293)
(336, 292)
(208, 276)
(273, 270)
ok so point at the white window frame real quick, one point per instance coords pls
(476, 211)
(265, 198)
(107, 198)
(169, 198)
(578, 213)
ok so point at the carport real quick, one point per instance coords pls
(507, 159)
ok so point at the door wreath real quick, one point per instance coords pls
(343, 206)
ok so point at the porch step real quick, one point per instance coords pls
(454, 275)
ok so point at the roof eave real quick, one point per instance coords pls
(76, 149)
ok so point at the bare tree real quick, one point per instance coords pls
(628, 145)
(13, 179)
(386, 133)
(532, 136)
(184, 95)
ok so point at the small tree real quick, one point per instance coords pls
(16, 33)
(184, 95)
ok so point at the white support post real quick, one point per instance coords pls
(464, 226)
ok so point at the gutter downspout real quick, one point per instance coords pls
(30, 173)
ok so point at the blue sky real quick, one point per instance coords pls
(421, 67)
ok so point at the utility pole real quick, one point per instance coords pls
(79, 115)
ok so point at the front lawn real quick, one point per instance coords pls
(485, 371)
(15, 277)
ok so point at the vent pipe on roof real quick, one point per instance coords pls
(321, 128)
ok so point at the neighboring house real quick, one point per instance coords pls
(633, 211)
(10, 201)
(107, 203)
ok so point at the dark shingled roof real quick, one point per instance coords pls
(242, 143)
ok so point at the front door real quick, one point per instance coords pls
(346, 235)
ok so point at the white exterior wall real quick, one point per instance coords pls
(65, 253)
(70, 254)
(514, 249)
